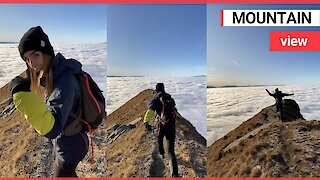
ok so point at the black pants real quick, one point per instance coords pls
(279, 106)
(65, 170)
(68, 152)
(170, 133)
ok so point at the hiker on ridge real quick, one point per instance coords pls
(62, 94)
(278, 95)
(164, 107)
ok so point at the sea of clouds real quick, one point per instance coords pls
(227, 108)
(188, 92)
(92, 56)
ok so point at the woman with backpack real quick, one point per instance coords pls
(163, 106)
(49, 109)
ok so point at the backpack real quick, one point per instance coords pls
(91, 110)
(92, 102)
(168, 110)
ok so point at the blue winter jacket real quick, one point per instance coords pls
(62, 102)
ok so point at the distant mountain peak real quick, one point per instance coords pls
(3, 42)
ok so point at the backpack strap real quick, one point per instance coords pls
(77, 125)
(162, 109)
(162, 112)
(80, 121)
(85, 76)
(91, 141)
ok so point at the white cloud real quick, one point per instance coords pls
(227, 108)
(92, 56)
(188, 92)
(11, 64)
(236, 63)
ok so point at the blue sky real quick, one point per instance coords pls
(156, 40)
(62, 23)
(241, 55)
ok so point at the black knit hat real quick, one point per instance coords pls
(160, 87)
(35, 39)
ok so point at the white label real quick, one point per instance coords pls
(270, 17)
(42, 43)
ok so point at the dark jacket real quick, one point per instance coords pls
(278, 95)
(62, 102)
(156, 105)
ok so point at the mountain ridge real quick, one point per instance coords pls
(134, 153)
(264, 146)
(129, 152)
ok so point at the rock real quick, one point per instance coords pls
(291, 110)
(256, 171)
(9, 108)
(121, 129)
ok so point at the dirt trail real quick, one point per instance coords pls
(157, 167)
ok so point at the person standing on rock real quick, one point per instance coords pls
(61, 93)
(164, 107)
(278, 95)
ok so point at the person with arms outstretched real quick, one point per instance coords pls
(278, 95)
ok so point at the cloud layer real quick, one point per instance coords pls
(188, 92)
(92, 56)
(227, 108)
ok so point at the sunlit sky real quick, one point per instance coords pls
(157, 40)
(241, 55)
(63, 23)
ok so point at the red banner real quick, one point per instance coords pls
(295, 41)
